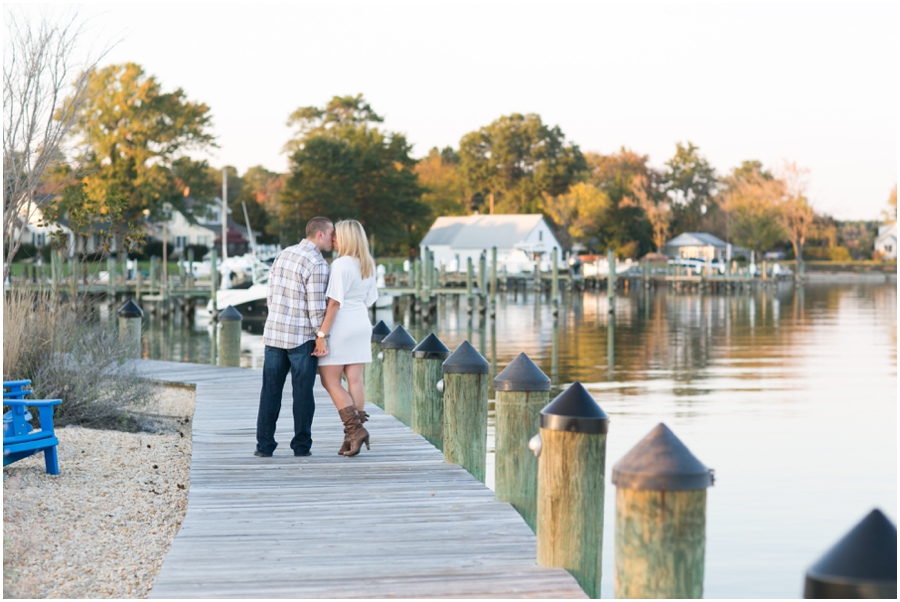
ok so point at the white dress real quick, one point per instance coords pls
(351, 333)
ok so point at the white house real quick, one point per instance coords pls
(182, 233)
(699, 245)
(886, 243)
(520, 240)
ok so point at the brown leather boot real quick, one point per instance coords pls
(354, 432)
(363, 418)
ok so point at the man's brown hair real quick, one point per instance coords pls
(317, 224)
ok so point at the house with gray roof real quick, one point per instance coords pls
(521, 240)
(886, 243)
(699, 245)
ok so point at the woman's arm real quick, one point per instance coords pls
(327, 323)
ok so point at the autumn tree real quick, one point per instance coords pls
(517, 159)
(258, 193)
(626, 226)
(690, 182)
(890, 214)
(795, 213)
(658, 211)
(752, 198)
(135, 136)
(439, 174)
(577, 213)
(343, 166)
(40, 63)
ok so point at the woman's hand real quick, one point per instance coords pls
(321, 349)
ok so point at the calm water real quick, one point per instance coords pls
(791, 396)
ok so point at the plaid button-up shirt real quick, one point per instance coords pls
(296, 299)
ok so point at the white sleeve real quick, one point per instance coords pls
(338, 281)
(372, 293)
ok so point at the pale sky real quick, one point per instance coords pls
(812, 83)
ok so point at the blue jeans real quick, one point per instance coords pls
(300, 362)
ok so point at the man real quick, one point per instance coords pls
(296, 305)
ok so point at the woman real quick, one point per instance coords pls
(342, 344)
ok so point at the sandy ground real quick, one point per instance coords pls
(102, 527)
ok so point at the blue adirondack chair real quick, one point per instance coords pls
(20, 440)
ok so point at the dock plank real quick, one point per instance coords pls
(396, 521)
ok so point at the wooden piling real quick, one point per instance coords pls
(213, 284)
(571, 469)
(397, 348)
(660, 519)
(373, 373)
(428, 400)
(130, 319)
(554, 281)
(466, 374)
(522, 390)
(611, 281)
(230, 337)
(469, 278)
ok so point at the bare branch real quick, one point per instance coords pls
(39, 58)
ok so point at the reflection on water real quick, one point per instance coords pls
(791, 396)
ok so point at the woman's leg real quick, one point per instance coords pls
(356, 385)
(331, 380)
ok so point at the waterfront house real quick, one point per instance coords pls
(886, 243)
(699, 245)
(521, 240)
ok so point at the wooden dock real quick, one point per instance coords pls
(396, 521)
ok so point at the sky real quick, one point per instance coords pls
(812, 83)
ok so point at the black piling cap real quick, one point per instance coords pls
(130, 310)
(575, 410)
(230, 314)
(380, 331)
(466, 360)
(399, 339)
(661, 462)
(521, 374)
(863, 564)
(431, 349)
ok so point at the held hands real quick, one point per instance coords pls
(321, 348)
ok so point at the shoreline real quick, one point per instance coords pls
(102, 528)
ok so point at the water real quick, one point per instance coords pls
(790, 395)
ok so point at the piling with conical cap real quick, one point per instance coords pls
(571, 452)
(660, 519)
(130, 320)
(397, 348)
(230, 337)
(466, 374)
(428, 402)
(521, 391)
(863, 564)
(373, 373)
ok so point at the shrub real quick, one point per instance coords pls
(27, 251)
(82, 363)
(839, 254)
(200, 251)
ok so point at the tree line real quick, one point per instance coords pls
(125, 158)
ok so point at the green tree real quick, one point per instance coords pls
(134, 134)
(344, 166)
(258, 191)
(690, 181)
(518, 159)
(439, 174)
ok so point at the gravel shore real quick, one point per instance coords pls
(103, 526)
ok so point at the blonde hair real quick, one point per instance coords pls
(351, 239)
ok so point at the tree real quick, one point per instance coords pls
(518, 159)
(577, 213)
(444, 188)
(259, 190)
(345, 167)
(890, 214)
(626, 226)
(658, 211)
(690, 182)
(752, 199)
(38, 62)
(134, 133)
(796, 215)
